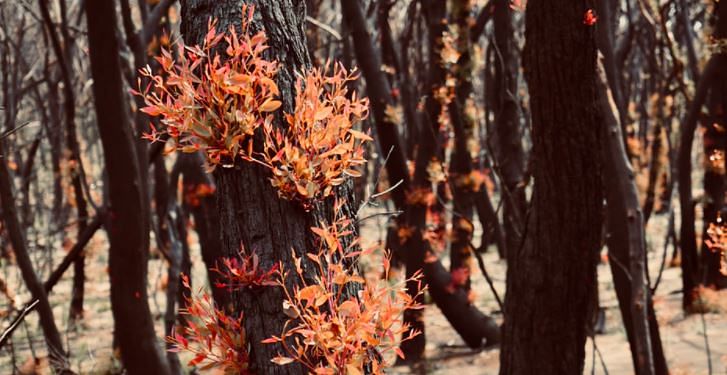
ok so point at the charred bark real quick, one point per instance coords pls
(687, 233)
(461, 168)
(551, 278)
(127, 226)
(251, 213)
(715, 145)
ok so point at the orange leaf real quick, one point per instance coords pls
(279, 360)
(151, 110)
(323, 113)
(270, 105)
(309, 292)
(360, 135)
(197, 359)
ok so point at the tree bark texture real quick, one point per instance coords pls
(551, 277)
(251, 213)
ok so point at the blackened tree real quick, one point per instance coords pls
(551, 278)
(128, 234)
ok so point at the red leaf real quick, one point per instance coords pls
(589, 19)
(197, 359)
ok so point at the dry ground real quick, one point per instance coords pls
(683, 336)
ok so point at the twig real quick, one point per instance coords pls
(370, 197)
(9, 132)
(481, 263)
(666, 250)
(16, 322)
(56, 275)
(324, 27)
(387, 191)
(593, 355)
(600, 356)
(388, 213)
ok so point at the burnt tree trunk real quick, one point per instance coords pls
(551, 278)
(511, 156)
(251, 213)
(626, 245)
(69, 106)
(127, 226)
(687, 232)
(461, 250)
(715, 142)
(203, 210)
(170, 242)
(491, 229)
(59, 358)
(473, 326)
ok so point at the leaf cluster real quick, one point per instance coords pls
(331, 332)
(215, 105)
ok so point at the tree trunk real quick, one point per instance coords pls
(461, 250)
(687, 233)
(128, 229)
(251, 213)
(656, 166)
(605, 35)
(715, 142)
(59, 358)
(171, 243)
(203, 210)
(473, 326)
(551, 278)
(627, 242)
(511, 156)
(69, 106)
(491, 229)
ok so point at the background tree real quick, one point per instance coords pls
(511, 156)
(10, 218)
(128, 234)
(626, 241)
(709, 88)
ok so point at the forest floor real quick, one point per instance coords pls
(90, 341)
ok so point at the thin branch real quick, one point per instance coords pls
(336, 35)
(388, 213)
(481, 263)
(12, 131)
(666, 250)
(16, 322)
